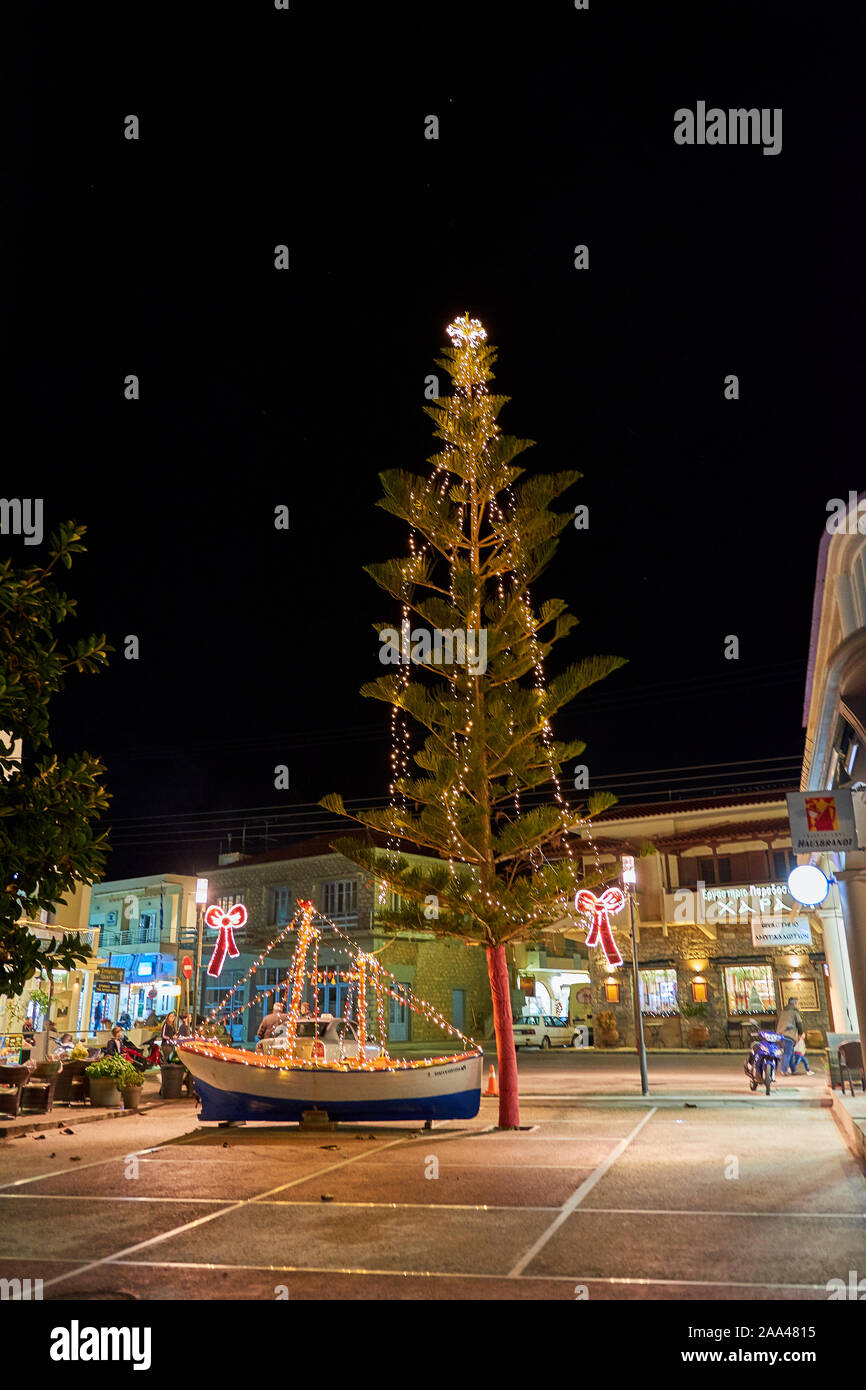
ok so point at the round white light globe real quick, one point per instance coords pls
(808, 884)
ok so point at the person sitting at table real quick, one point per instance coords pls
(114, 1042)
(64, 1047)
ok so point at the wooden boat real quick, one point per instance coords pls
(350, 1077)
(238, 1085)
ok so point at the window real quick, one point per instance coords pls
(341, 897)
(279, 908)
(780, 865)
(658, 992)
(229, 899)
(750, 989)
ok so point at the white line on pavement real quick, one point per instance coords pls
(204, 1220)
(578, 1195)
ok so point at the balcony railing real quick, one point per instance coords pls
(116, 938)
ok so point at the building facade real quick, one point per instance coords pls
(720, 939)
(449, 975)
(69, 991)
(145, 926)
(834, 717)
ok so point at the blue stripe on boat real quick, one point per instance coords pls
(237, 1105)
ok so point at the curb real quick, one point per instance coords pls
(851, 1128)
(80, 1117)
(690, 1098)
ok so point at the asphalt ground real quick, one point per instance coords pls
(593, 1199)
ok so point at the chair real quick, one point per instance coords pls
(72, 1082)
(38, 1092)
(12, 1083)
(851, 1059)
(735, 1027)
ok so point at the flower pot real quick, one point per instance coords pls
(131, 1097)
(699, 1035)
(172, 1080)
(103, 1091)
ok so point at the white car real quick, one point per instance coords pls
(320, 1038)
(543, 1030)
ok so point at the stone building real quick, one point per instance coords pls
(720, 939)
(447, 974)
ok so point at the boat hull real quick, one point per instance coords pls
(234, 1090)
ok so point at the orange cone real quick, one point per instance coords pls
(492, 1088)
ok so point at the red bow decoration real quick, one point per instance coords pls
(611, 900)
(224, 923)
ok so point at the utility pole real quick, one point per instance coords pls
(629, 878)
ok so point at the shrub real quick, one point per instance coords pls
(108, 1069)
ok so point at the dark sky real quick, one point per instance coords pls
(259, 387)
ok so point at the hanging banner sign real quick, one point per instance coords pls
(788, 933)
(822, 821)
(111, 972)
(103, 986)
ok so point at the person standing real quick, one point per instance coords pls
(184, 1029)
(169, 1034)
(790, 1026)
(800, 1056)
(270, 1021)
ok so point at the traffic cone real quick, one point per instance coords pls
(492, 1088)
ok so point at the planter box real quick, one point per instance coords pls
(131, 1097)
(172, 1080)
(103, 1091)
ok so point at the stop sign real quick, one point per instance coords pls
(186, 967)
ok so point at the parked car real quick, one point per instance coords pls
(321, 1037)
(543, 1030)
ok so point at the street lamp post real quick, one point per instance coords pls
(201, 887)
(629, 878)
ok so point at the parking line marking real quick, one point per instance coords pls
(204, 1220)
(578, 1195)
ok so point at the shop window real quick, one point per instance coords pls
(750, 989)
(658, 992)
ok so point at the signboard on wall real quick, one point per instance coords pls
(804, 991)
(785, 933)
(821, 821)
(103, 986)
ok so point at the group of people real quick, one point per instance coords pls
(277, 1019)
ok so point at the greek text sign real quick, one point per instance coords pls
(787, 933)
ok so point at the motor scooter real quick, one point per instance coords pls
(764, 1054)
(141, 1059)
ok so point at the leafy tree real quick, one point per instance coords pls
(481, 533)
(47, 807)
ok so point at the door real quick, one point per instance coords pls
(398, 1017)
(458, 1006)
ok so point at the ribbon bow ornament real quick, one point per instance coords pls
(612, 900)
(224, 924)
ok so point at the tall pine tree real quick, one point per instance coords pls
(484, 795)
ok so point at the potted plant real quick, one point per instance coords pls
(130, 1087)
(172, 1077)
(106, 1076)
(608, 1033)
(699, 1033)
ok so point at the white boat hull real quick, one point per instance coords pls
(235, 1085)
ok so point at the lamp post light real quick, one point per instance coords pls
(629, 880)
(201, 887)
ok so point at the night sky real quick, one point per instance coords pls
(261, 387)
